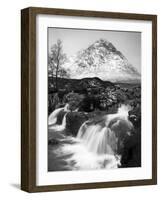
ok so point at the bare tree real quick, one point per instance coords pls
(55, 62)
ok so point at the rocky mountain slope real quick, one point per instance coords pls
(101, 59)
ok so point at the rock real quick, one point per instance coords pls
(74, 122)
(131, 155)
(60, 117)
(135, 116)
(74, 100)
(53, 141)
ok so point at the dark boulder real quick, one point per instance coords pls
(135, 116)
(74, 122)
(131, 154)
(53, 141)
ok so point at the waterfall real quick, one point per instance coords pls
(53, 116)
(60, 127)
(97, 142)
(97, 139)
(122, 114)
(102, 137)
(66, 108)
(82, 130)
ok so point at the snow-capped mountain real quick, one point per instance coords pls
(103, 60)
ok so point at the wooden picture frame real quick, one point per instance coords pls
(28, 98)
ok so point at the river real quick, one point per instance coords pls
(96, 146)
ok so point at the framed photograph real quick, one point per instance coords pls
(89, 99)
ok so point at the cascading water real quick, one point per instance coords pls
(53, 116)
(60, 127)
(96, 138)
(96, 144)
(122, 114)
(102, 137)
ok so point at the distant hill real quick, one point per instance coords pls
(80, 84)
(101, 59)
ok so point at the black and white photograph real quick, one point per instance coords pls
(94, 99)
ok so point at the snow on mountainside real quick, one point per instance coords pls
(103, 60)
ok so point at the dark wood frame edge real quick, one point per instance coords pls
(28, 99)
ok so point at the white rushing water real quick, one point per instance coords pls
(60, 127)
(96, 144)
(83, 159)
(53, 116)
(102, 137)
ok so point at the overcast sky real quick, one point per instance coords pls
(129, 43)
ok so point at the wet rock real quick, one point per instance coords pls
(53, 141)
(74, 122)
(131, 154)
(135, 116)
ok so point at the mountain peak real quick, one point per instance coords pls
(103, 60)
(103, 43)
